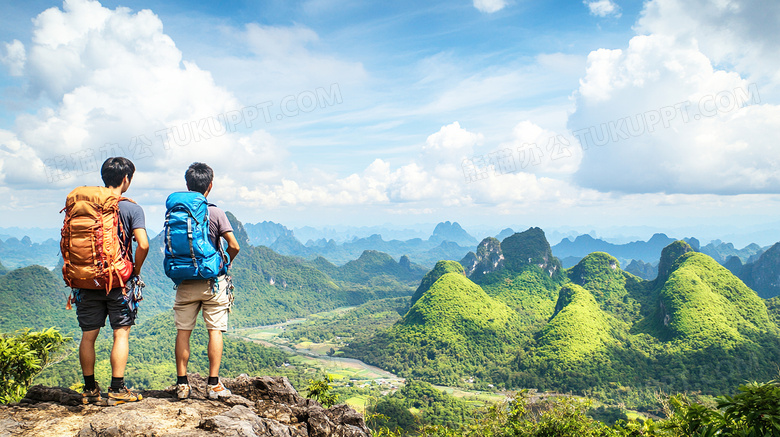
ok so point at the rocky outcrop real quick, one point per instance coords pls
(668, 256)
(488, 258)
(260, 406)
(529, 248)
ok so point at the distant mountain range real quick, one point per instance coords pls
(647, 252)
(15, 253)
(448, 241)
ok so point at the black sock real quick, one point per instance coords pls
(182, 379)
(213, 380)
(89, 382)
(117, 383)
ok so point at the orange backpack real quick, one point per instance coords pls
(93, 255)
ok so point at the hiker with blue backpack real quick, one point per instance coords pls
(197, 263)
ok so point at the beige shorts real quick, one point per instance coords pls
(193, 295)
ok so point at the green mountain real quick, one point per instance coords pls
(454, 330)
(577, 339)
(441, 269)
(703, 305)
(3, 270)
(373, 264)
(33, 297)
(529, 278)
(271, 288)
(617, 292)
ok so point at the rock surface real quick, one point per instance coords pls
(260, 406)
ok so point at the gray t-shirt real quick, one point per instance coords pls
(132, 217)
(218, 224)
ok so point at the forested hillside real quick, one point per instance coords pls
(592, 328)
(34, 297)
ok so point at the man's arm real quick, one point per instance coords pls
(233, 247)
(141, 250)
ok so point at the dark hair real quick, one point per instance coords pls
(115, 169)
(198, 177)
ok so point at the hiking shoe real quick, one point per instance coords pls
(122, 395)
(93, 395)
(183, 391)
(218, 391)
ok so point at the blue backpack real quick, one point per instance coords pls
(188, 252)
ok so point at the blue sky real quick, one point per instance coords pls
(322, 112)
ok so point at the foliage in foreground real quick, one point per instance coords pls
(320, 391)
(22, 357)
(753, 412)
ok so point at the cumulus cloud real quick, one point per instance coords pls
(122, 88)
(451, 143)
(19, 164)
(739, 34)
(489, 6)
(603, 8)
(658, 117)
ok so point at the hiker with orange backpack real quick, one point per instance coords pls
(97, 236)
(198, 265)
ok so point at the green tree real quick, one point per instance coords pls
(22, 357)
(320, 391)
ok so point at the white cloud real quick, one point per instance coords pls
(657, 117)
(19, 165)
(490, 6)
(118, 80)
(742, 34)
(451, 143)
(14, 58)
(603, 8)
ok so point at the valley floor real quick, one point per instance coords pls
(346, 372)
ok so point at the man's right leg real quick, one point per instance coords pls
(91, 312)
(87, 351)
(91, 392)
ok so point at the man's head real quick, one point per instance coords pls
(199, 177)
(115, 170)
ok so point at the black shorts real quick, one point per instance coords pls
(92, 307)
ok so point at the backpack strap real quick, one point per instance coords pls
(190, 238)
(223, 255)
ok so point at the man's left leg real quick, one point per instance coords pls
(121, 318)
